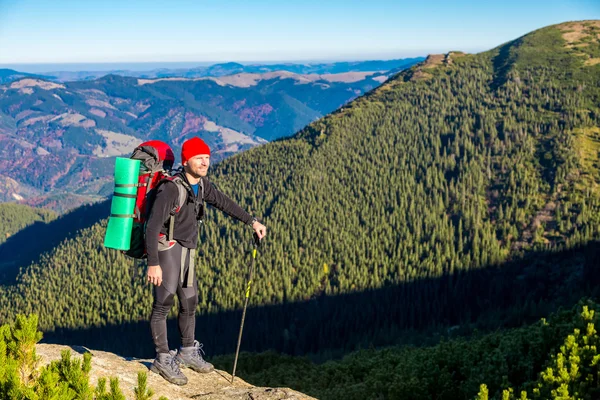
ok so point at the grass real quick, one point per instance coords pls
(587, 143)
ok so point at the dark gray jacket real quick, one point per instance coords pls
(186, 219)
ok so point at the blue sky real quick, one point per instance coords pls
(90, 31)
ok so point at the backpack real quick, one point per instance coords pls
(156, 159)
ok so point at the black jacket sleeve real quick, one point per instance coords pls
(216, 198)
(167, 196)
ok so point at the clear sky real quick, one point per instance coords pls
(93, 31)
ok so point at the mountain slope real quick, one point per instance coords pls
(456, 166)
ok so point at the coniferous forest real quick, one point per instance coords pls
(460, 197)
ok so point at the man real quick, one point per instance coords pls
(171, 259)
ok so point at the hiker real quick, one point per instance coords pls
(171, 259)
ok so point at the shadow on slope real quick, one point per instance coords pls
(418, 312)
(26, 246)
(503, 62)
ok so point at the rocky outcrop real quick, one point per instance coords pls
(213, 386)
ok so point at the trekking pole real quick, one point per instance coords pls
(237, 351)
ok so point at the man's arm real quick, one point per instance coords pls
(216, 198)
(164, 202)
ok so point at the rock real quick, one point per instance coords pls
(212, 386)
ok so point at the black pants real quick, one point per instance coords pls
(171, 262)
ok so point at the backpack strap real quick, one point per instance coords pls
(201, 217)
(183, 194)
(184, 190)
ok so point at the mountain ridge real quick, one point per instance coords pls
(231, 68)
(8, 75)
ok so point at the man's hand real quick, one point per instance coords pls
(155, 275)
(260, 229)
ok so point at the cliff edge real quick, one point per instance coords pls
(212, 386)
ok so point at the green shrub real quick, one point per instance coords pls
(573, 373)
(66, 379)
(142, 392)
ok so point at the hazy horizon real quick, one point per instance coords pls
(153, 65)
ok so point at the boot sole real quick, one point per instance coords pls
(175, 381)
(202, 371)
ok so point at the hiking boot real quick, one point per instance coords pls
(190, 357)
(166, 366)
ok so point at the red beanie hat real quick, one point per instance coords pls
(192, 147)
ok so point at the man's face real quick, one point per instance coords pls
(198, 165)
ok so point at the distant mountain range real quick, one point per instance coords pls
(223, 69)
(58, 137)
(9, 75)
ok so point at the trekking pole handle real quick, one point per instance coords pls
(256, 240)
